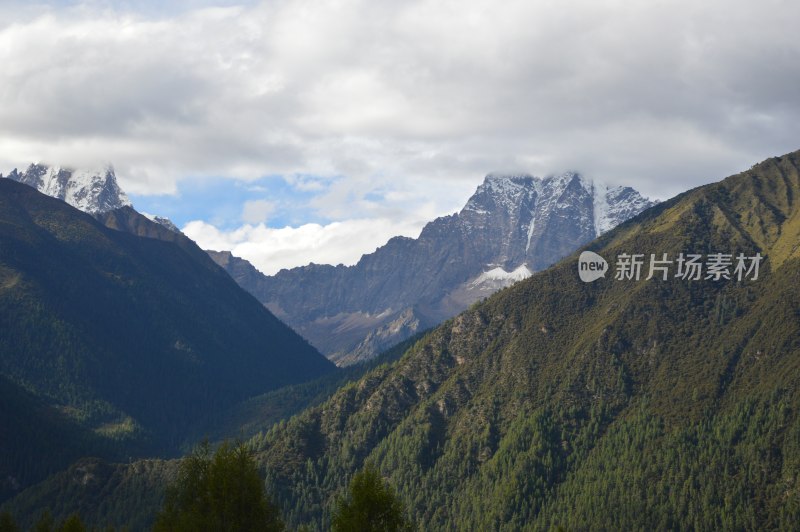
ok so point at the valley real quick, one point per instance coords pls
(548, 402)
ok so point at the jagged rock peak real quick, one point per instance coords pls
(92, 190)
(516, 195)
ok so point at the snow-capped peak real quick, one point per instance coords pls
(501, 190)
(610, 205)
(507, 184)
(92, 190)
(530, 217)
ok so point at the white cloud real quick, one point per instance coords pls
(392, 104)
(270, 249)
(306, 183)
(257, 211)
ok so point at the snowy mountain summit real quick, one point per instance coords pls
(94, 191)
(535, 221)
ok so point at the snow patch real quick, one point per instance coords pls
(602, 221)
(531, 228)
(498, 277)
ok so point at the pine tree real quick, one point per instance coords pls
(46, 523)
(73, 524)
(220, 493)
(372, 506)
(7, 523)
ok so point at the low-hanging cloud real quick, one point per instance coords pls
(270, 249)
(416, 99)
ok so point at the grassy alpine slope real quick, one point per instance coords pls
(616, 404)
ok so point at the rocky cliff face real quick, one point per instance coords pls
(513, 226)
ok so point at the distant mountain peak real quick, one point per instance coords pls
(92, 190)
(527, 203)
(515, 224)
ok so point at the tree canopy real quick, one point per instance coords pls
(372, 506)
(218, 493)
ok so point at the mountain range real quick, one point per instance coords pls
(115, 337)
(511, 227)
(627, 403)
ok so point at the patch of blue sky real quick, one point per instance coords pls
(220, 202)
(374, 196)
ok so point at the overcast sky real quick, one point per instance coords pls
(294, 131)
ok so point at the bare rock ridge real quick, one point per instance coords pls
(513, 226)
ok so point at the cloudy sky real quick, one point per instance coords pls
(294, 131)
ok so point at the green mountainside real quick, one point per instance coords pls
(618, 404)
(125, 496)
(126, 339)
(119, 496)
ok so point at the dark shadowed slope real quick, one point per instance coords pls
(130, 494)
(134, 338)
(38, 439)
